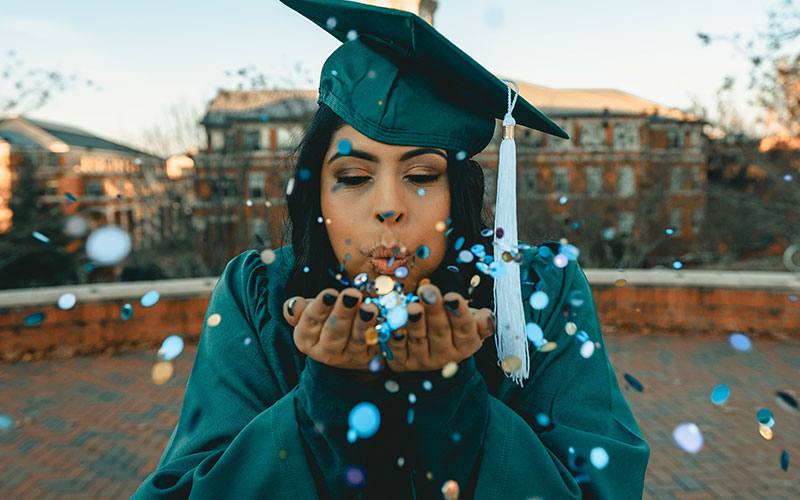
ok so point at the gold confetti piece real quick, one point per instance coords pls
(621, 282)
(449, 369)
(506, 257)
(214, 319)
(441, 226)
(384, 284)
(282, 454)
(424, 281)
(162, 371)
(475, 280)
(550, 346)
(268, 256)
(765, 431)
(371, 336)
(511, 364)
(429, 475)
(450, 490)
(571, 328)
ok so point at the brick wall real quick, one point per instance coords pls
(685, 302)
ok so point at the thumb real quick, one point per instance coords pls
(293, 309)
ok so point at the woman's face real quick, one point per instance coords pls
(373, 207)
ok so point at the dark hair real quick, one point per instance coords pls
(309, 238)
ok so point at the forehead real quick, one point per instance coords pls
(349, 138)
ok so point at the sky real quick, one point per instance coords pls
(146, 57)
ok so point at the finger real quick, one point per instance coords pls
(437, 324)
(416, 337)
(398, 345)
(337, 329)
(485, 321)
(365, 318)
(314, 315)
(462, 323)
(293, 309)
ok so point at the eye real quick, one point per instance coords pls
(352, 181)
(424, 179)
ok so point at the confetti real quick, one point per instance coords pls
(214, 319)
(461, 155)
(423, 252)
(126, 312)
(511, 364)
(587, 349)
(149, 299)
(786, 401)
(450, 490)
(740, 342)
(562, 200)
(352, 35)
(76, 226)
(391, 386)
(7, 422)
(571, 328)
(331, 22)
(427, 385)
(401, 272)
(354, 476)
(535, 334)
(268, 256)
(39, 236)
(720, 394)
(677, 264)
(67, 301)
(784, 460)
(108, 245)
(161, 372)
(384, 284)
(548, 347)
(449, 369)
(539, 300)
(688, 437)
(560, 261)
(765, 417)
(34, 319)
(765, 431)
(631, 380)
(364, 419)
(171, 347)
(599, 457)
(621, 282)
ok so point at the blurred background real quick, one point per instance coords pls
(144, 145)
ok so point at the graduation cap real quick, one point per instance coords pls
(398, 81)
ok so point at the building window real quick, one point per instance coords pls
(561, 180)
(229, 142)
(626, 182)
(697, 220)
(558, 143)
(94, 188)
(594, 180)
(696, 177)
(675, 220)
(625, 136)
(217, 140)
(676, 179)
(625, 223)
(255, 184)
(528, 181)
(252, 140)
(286, 138)
(675, 138)
(258, 226)
(593, 135)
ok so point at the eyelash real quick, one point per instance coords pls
(418, 179)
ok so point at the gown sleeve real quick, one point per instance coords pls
(232, 439)
(568, 433)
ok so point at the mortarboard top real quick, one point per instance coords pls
(397, 80)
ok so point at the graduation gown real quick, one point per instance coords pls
(260, 420)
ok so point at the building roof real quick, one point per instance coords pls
(260, 105)
(278, 105)
(45, 132)
(17, 139)
(560, 102)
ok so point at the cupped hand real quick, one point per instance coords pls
(440, 330)
(331, 327)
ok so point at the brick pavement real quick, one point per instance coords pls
(94, 427)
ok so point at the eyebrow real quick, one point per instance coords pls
(356, 153)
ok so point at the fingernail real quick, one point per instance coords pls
(415, 317)
(365, 315)
(428, 296)
(349, 301)
(291, 307)
(451, 304)
(398, 336)
(329, 299)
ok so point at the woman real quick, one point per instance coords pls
(292, 396)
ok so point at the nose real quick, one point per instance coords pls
(389, 204)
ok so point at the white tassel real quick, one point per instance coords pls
(510, 337)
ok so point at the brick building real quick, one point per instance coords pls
(111, 183)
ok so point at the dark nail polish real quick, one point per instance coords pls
(415, 317)
(451, 304)
(290, 308)
(365, 315)
(429, 297)
(398, 336)
(349, 301)
(329, 299)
